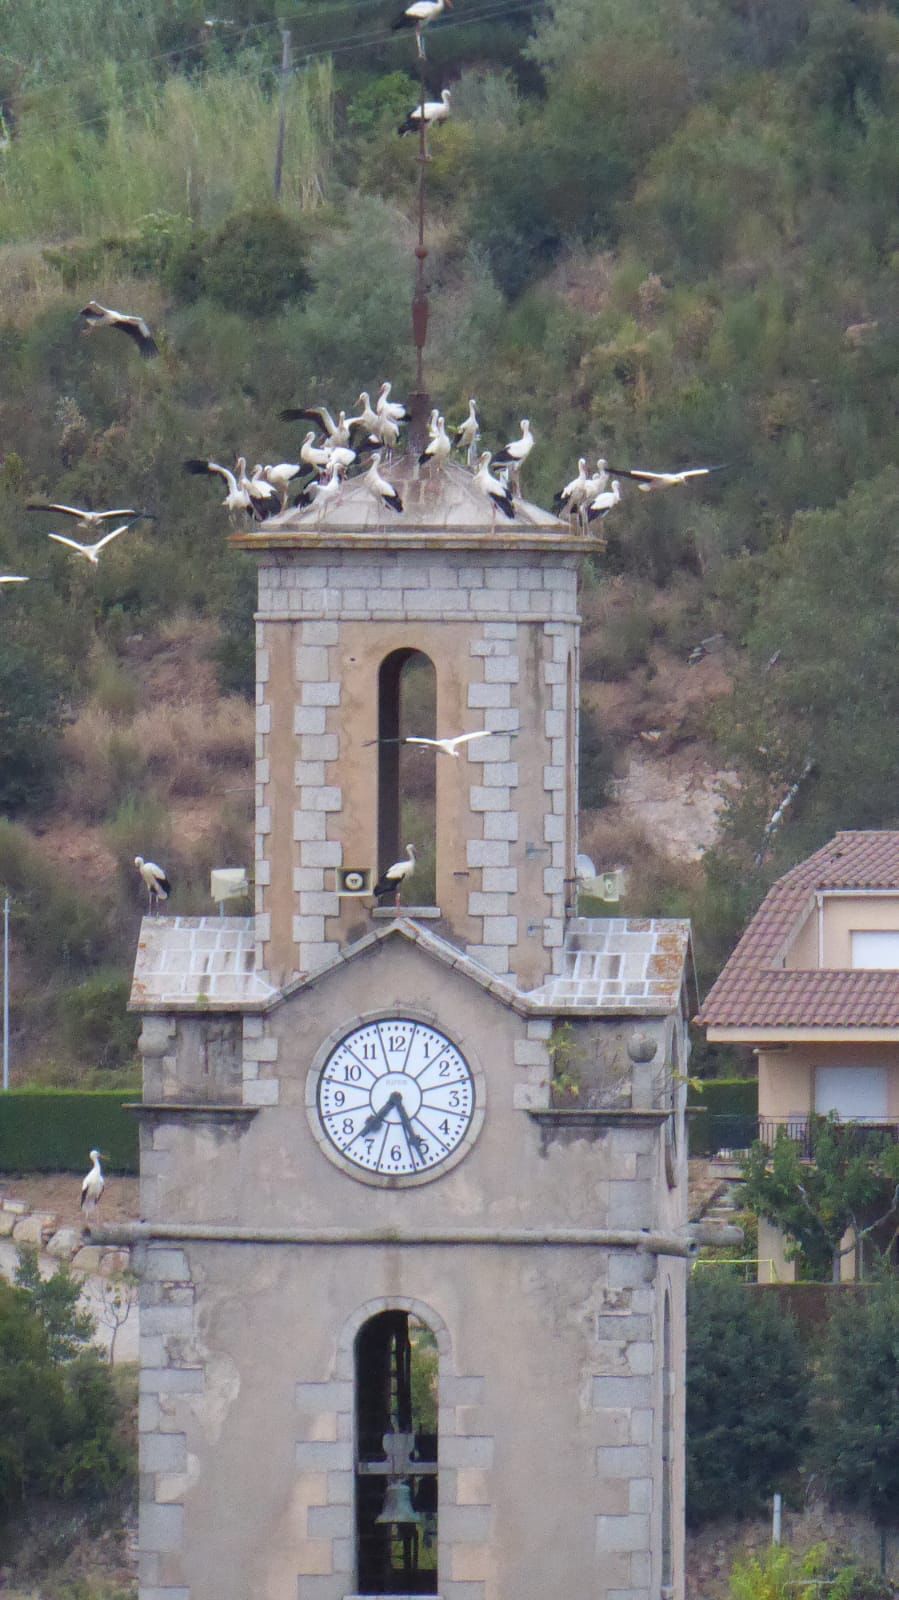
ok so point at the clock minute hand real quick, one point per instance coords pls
(377, 1117)
(411, 1136)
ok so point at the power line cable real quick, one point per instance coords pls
(342, 45)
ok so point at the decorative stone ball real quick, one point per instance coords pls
(641, 1048)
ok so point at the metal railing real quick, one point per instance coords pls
(732, 1134)
(801, 1130)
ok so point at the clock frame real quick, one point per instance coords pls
(394, 1100)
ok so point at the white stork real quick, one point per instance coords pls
(605, 502)
(89, 519)
(9, 577)
(517, 451)
(438, 447)
(237, 498)
(97, 316)
(91, 552)
(92, 1185)
(467, 434)
(450, 747)
(281, 475)
(572, 497)
(336, 433)
(322, 493)
(419, 14)
(497, 493)
(157, 884)
(393, 879)
(394, 409)
(383, 491)
(432, 112)
(650, 482)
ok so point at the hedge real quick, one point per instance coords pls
(52, 1130)
(726, 1115)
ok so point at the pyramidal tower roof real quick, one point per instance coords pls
(439, 503)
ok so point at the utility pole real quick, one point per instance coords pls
(282, 113)
(6, 991)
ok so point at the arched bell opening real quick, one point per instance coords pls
(396, 1371)
(407, 804)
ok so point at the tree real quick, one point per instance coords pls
(851, 1184)
(857, 1445)
(54, 1301)
(747, 1396)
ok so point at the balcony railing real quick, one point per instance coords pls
(801, 1130)
(732, 1134)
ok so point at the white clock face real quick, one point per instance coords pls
(395, 1097)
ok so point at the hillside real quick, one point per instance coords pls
(662, 234)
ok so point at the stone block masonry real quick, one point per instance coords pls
(510, 650)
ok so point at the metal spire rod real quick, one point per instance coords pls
(420, 400)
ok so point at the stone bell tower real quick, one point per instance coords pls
(413, 1180)
(341, 602)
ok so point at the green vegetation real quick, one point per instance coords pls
(658, 230)
(849, 1181)
(784, 1574)
(747, 1397)
(51, 1130)
(63, 1433)
(726, 1115)
(858, 1432)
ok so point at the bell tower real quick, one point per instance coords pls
(343, 601)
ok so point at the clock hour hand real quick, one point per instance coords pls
(411, 1136)
(377, 1117)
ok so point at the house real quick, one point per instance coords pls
(813, 988)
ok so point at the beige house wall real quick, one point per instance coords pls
(843, 914)
(786, 1076)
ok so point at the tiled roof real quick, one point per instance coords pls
(189, 962)
(611, 964)
(755, 991)
(632, 964)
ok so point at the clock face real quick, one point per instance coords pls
(395, 1097)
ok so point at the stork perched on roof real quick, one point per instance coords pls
(336, 433)
(96, 316)
(157, 884)
(516, 452)
(496, 491)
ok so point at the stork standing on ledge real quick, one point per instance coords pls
(497, 493)
(93, 1185)
(158, 886)
(395, 876)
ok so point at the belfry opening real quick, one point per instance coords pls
(396, 1364)
(407, 810)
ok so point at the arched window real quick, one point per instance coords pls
(396, 1456)
(407, 812)
(667, 1449)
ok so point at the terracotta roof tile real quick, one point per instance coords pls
(755, 991)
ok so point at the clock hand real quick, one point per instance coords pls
(411, 1136)
(377, 1117)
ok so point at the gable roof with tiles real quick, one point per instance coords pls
(754, 990)
(610, 965)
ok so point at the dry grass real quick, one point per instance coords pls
(27, 283)
(173, 750)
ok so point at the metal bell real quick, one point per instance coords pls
(398, 1505)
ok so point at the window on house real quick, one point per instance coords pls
(396, 1456)
(878, 949)
(853, 1093)
(407, 809)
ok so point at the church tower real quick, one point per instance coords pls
(344, 604)
(413, 1177)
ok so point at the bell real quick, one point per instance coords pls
(398, 1504)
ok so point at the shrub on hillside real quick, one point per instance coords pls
(857, 1432)
(256, 262)
(96, 1027)
(747, 1398)
(30, 715)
